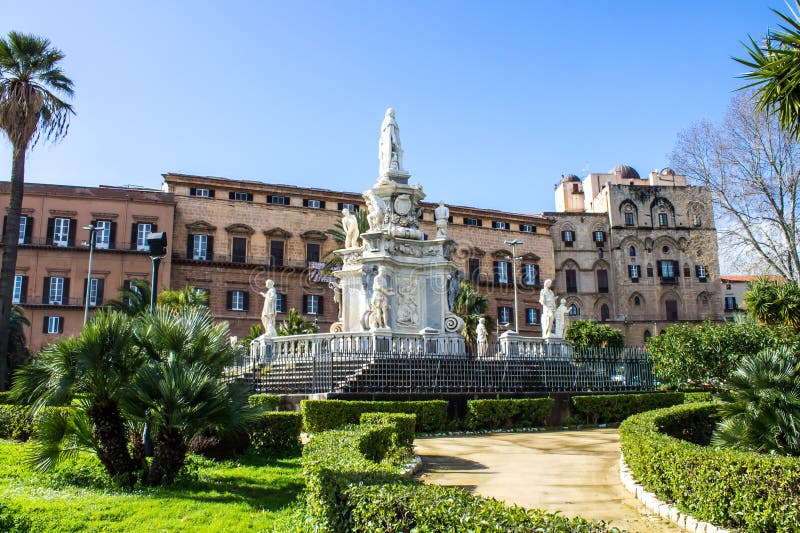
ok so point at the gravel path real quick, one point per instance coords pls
(575, 472)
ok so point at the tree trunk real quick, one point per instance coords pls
(109, 429)
(168, 457)
(10, 246)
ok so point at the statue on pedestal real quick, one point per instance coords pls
(441, 215)
(379, 304)
(350, 227)
(376, 209)
(482, 336)
(270, 309)
(561, 319)
(548, 300)
(390, 154)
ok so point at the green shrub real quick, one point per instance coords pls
(213, 444)
(322, 415)
(417, 507)
(733, 489)
(5, 398)
(265, 402)
(503, 414)
(18, 422)
(617, 407)
(694, 397)
(276, 432)
(590, 334)
(402, 423)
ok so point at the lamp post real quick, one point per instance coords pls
(513, 244)
(92, 233)
(158, 249)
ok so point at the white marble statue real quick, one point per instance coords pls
(336, 287)
(441, 214)
(482, 336)
(376, 209)
(562, 312)
(390, 154)
(548, 300)
(379, 305)
(350, 227)
(270, 309)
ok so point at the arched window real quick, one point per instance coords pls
(632, 251)
(646, 335)
(574, 310)
(604, 313)
(637, 300)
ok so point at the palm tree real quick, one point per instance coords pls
(774, 302)
(333, 262)
(775, 71)
(18, 352)
(94, 369)
(295, 325)
(184, 297)
(31, 87)
(470, 305)
(133, 300)
(761, 404)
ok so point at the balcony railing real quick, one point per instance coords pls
(119, 246)
(242, 260)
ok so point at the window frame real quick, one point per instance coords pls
(16, 292)
(505, 310)
(54, 325)
(141, 236)
(663, 220)
(199, 247)
(237, 300)
(56, 290)
(59, 225)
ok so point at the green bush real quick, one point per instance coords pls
(322, 415)
(276, 432)
(18, 422)
(729, 488)
(402, 423)
(694, 397)
(504, 414)
(617, 407)
(5, 398)
(590, 334)
(416, 507)
(265, 402)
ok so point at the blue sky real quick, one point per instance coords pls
(495, 100)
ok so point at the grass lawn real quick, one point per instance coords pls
(250, 494)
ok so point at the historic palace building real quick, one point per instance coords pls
(53, 258)
(639, 254)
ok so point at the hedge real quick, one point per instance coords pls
(352, 484)
(322, 415)
(729, 488)
(18, 422)
(265, 402)
(503, 414)
(276, 431)
(694, 397)
(403, 424)
(618, 407)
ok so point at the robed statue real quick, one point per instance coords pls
(390, 154)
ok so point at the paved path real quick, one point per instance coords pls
(575, 472)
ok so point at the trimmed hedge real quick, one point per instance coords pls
(617, 407)
(17, 422)
(403, 424)
(694, 397)
(265, 402)
(276, 431)
(730, 488)
(322, 415)
(504, 414)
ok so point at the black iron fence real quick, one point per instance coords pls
(378, 372)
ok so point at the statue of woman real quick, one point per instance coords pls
(270, 309)
(441, 215)
(390, 154)
(482, 336)
(379, 305)
(548, 300)
(350, 227)
(561, 319)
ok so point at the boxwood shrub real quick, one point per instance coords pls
(729, 488)
(265, 402)
(322, 415)
(402, 423)
(504, 414)
(694, 397)
(603, 408)
(276, 432)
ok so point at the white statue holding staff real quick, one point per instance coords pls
(350, 227)
(390, 154)
(548, 300)
(561, 319)
(379, 305)
(270, 309)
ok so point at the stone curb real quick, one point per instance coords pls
(663, 509)
(463, 433)
(413, 467)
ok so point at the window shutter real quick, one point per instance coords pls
(61, 324)
(73, 226)
(46, 291)
(28, 230)
(269, 198)
(508, 271)
(305, 202)
(231, 195)
(100, 283)
(5, 219)
(605, 238)
(211, 193)
(322, 204)
(134, 231)
(210, 248)
(112, 235)
(51, 228)
(658, 268)
(65, 297)
(320, 305)
(192, 191)
(496, 271)
(44, 324)
(249, 197)
(190, 246)
(229, 301)
(85, 288)
(153, 228)
(305, 303)
(23, 296)
(246, 300)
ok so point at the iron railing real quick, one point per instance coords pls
(348, 371)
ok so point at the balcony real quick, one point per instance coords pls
(237, 260)
(47, 242)
(669, 281)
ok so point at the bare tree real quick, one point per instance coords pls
(752, 168)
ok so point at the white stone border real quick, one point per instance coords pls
(663, 509)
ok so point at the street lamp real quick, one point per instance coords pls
(92, 233)
(513, 244)
(157, 242)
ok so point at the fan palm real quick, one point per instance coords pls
(133, 300)
(761, 404)
(32, 86)
(471, 306)
(775, 71)
(95, 369)
(184, 297)
(774, 302)
(295, 325)
(18, 352)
